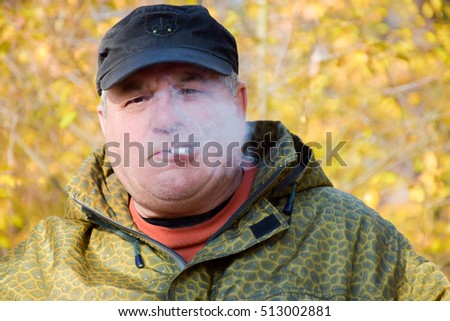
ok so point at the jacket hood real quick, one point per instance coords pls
(278, 154)
(95, 187)
(271, 146)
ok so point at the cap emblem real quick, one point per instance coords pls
(161, 23)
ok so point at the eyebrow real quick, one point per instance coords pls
(129, 86)
(194, 76)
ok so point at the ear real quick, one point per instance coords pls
(101, 118)
(241, 97)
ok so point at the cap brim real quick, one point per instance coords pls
(154, 56)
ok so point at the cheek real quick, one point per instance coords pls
(125, 143)
(122, 127)
(226, 124)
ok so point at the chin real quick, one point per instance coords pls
(173, 185)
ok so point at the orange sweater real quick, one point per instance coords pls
(187, 241)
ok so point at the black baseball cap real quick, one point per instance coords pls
(164, 33)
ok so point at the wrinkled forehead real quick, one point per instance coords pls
(177, 73)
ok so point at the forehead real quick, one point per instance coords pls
(178, 72)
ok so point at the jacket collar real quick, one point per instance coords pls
(272, 146)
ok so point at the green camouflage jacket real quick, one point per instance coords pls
(295, 238)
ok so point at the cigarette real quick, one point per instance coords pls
(181, 150)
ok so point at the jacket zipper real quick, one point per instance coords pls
(170, 294)
(249, 200)
(177, 258)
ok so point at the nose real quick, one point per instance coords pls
(167, 116)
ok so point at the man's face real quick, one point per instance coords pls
(173, 134)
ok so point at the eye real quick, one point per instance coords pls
(188, 91)
(137, 101)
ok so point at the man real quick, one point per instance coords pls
(186, 201)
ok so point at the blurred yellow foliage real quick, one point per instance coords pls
(374, 74)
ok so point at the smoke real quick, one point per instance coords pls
(197, 125)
